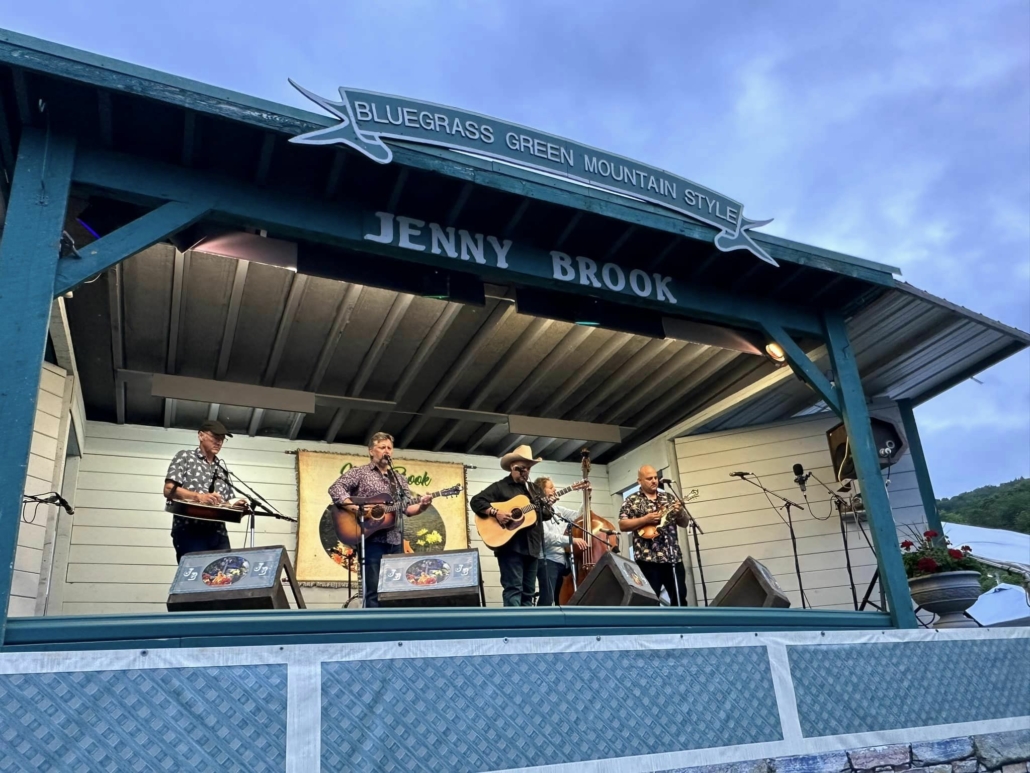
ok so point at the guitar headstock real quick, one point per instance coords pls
(580, 485)
(694, 494)
(453, 491)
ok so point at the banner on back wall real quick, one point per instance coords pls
(324, 560)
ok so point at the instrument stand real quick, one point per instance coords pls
(787, 504)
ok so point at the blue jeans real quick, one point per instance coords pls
(374, 552)
(518, 578)
(191, 539)
(550, 574)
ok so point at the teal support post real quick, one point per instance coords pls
(915, 447)
(127, 241)
(803, 366)
(29, 253)
(874, 493)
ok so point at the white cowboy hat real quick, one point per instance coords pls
(520, 454)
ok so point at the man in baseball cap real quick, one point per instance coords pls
(198, 475)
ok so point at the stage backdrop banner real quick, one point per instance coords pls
(324, 561)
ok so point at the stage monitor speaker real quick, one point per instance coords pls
(233, 579)
(450, 578)
(614, 582)
(885, 435)
(751, 586)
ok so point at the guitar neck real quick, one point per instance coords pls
(395, 508)
(552, 499)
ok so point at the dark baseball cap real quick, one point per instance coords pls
(215, 428)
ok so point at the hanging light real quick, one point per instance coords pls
(775, 352)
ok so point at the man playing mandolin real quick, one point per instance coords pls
(370, 480)
(659, 559)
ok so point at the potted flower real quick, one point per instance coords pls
(942, 579)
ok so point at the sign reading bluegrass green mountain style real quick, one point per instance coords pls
(367, 118)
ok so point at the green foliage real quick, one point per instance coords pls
(995, 507)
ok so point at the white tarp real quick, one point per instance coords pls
(994, 544)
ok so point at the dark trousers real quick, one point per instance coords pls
(374, 552)
(673, 577)
(550, 575)
(192, 540)
(518, 578)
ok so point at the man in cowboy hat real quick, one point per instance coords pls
(518, 558)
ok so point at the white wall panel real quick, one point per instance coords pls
(121, 559)
(740, 521)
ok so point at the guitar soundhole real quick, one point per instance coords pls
(516, 520)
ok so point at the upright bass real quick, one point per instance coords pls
(606, 538)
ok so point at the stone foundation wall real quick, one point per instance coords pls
(1002, 752)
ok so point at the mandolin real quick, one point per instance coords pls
(523, 515)
(667, 513)
(381, 513)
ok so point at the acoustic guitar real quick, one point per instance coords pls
(523, 515)
(667, 513)
(380, 513)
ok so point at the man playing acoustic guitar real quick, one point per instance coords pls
(518, 557)
(370, 480)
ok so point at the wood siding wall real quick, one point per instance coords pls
(121, 559)
(46, 464)
(739, 521)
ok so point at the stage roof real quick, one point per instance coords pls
(438, 374)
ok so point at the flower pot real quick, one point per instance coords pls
(948, 595)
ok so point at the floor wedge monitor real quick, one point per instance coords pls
(614, 582)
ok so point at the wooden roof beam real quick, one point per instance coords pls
(501, 312)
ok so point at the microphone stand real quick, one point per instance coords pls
(694, 529)
(841, 504)
(258, 504)
(787, 504)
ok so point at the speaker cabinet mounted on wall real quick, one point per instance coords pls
(885, 436)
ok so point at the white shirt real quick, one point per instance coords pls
(556, 534)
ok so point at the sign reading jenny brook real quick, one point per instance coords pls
(367, 118)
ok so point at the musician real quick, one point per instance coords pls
(197, 475)
(518, 559)
(554, 558)
(659, 559)
(370, 480)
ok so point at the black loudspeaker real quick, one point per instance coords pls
(449, 578)
(751, 586)
(885, 436)
(233, 579)
(614, 582)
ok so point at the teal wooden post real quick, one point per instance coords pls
(915, 447)
(29, 253)
(867, 464)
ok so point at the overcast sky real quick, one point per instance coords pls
(898, 132)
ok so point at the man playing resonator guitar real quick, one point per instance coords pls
(370, 480)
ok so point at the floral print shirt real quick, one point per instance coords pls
(368, 481)
(664, 548)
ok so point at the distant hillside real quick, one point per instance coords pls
(995, 507)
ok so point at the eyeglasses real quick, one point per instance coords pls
(520, 469)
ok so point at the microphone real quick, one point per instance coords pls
(666, 482)
(739, 474)
(214, 477)
(57, 499)
(801, 477)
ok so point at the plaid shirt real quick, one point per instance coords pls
(665, 547)
(368, 481)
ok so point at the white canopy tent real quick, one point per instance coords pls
(1005, 604)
